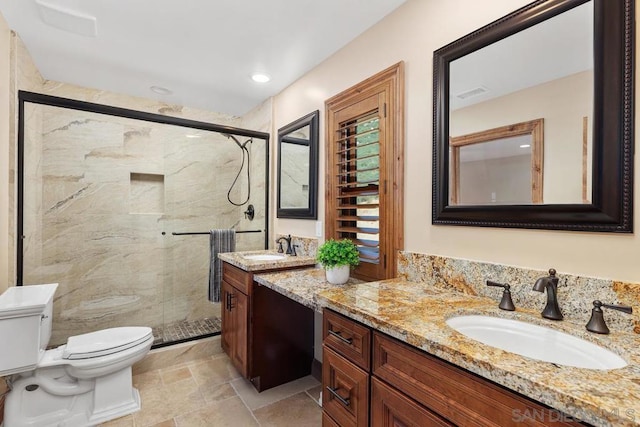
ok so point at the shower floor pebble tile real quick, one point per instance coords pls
(210, 392)
(186, 329)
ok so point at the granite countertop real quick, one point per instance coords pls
(239, 260)
(302, 285)
(416, 313)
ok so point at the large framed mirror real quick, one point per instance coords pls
(298, 168)
(565, 63)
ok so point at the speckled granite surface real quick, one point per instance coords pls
(238, 259)
(431, 289)
(300, 285)
(416, 313)
(575, 293)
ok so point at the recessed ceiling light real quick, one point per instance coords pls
(260, 78)
(161, 90)
(525, 146)
(193, 135)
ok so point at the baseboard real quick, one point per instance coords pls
(316, 369)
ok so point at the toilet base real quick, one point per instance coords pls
(51, 398)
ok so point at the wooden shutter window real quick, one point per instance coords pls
(358, 184)
(365, 158)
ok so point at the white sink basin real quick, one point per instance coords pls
(536, 342)
(264, 257)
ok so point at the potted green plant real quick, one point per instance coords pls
(337, 257)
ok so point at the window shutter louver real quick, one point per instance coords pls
(358, 184)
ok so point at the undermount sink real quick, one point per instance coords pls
(536, 342)
(264, 257)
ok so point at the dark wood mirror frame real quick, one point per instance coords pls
(312, 120)
(611, 209)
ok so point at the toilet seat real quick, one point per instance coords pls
(104, 342)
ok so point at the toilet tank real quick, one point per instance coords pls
(26, 315)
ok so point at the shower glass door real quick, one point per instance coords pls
(102, 196)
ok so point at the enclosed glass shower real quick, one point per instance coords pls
(116, 206)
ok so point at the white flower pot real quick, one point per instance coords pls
(338, 275)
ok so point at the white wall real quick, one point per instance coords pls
(411, 34)
(562, 103)
(5, 120)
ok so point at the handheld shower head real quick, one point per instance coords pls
(229, 136)
(245, 151)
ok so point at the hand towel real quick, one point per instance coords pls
(219, 241)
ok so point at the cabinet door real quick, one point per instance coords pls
(239, 311)
(390, 408)
(226, 333)
(457, 395)
(345, 389)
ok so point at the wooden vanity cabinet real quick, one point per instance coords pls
(390, 408)
(267, 336)
(235, 325)
(409, 387)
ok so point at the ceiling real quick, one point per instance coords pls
(555, 48)
(203, 51)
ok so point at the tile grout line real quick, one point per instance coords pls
(244, 403)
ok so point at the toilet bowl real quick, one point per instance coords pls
(84, 382)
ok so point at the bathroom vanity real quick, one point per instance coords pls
(267, 336)
(370, 375)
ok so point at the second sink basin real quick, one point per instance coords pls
(536, 342)
(264, 257)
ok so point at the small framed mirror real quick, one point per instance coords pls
(298, 168)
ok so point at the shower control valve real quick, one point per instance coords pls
(250, 213)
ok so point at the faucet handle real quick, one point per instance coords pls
(596, 322)
(293, 250)
(506, 303)
(280, 249)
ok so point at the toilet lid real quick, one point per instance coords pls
(104, 342)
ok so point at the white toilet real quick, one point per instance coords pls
(84, 382)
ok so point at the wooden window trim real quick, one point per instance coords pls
(535, 128)
(391, 81)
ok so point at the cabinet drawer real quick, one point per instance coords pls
(239, 279)
(345, 390)
(391, 408)
(348, 338)
(457, 395)
(327, 421)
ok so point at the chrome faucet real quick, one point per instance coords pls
(287, 239)
(550, 283)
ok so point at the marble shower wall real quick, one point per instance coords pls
(100, 191)
(575, 293)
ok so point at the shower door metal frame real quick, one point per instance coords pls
(55, 101)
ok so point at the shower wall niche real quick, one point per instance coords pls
(101, 195)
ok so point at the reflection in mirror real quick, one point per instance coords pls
(499, 166)
(568, 62)
(294, 172)
(298, 168)
(543, 71)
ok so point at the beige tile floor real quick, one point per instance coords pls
(210, 392)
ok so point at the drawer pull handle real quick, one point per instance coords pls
(344, 400)
(231, 297)
(341, 338)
